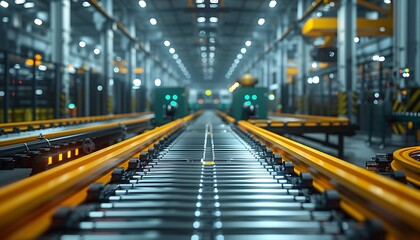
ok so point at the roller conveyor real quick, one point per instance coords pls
(207, 182)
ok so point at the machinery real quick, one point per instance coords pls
(170, 104)
(249, 102)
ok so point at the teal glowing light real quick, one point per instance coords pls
(248, 103)
(173, 103)
(175, 97)
(71, 105)
(254, 97)
(247, 97)
(168, 97)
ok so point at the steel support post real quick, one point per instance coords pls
(60, 31)
(346, 53)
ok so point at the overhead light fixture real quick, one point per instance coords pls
(175, 56)
(82, 44)
(203, 48)
(272, 3)
(28, 5)
(248, 43)
(158, 82)
(314, 65)
(211, 54)
(96, 51)
(199, 1)
(142, 3)
(239, 56)
(85, 4)
(356, 39)
(137, 82)
(261, 21)
(172, 50)
(4, 4)
(214, 1)
(18, 2)
(201, 19)
(212, 48)
(153, 21)
(243, 50)
(167, 43)
(214, 19)
(203, 54)
(179, 61)
(38, 21)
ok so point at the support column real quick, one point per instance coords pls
(107, 41)
(282, 93)
(60, 30)
(417, 61)
(132, 63)
(303, 61)
(148, 81)
(346, 69)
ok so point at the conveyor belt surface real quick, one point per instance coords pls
(208, 183)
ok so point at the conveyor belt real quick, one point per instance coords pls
(207, 184)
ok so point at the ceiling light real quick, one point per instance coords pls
(158, 82)
(38, 21)
(214, 1)
(172, 50)
(137, 82)
(29, 5)
(96, 51)
(248, 43)
(203, 54)
(175, 56)
(261, 21)
(199, 1)
(153, 21)
(212, 40)
(20, 1)
(239, 56)
(243, 50)
(314, 65)
(4, 4)
(212, 48)
(236, 61)
(356, 39)
(142, 3)
(387, 1)
(214, 19)
(179, 61)
(82, 44)
(201, 19)
(315, 80)
(272, 3)
(201, 5)
(211, 54)
(85, 4)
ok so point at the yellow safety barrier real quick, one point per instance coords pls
(29, 204)
(364, 194)
(8, 127)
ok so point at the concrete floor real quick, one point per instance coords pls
(356, 149)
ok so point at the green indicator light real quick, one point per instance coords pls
(254, 97)
(247, 97)
(248, 103)
(280, 106)
(173, 103)
(168, 97)
(71, 105)
(175, 97)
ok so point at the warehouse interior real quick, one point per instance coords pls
(320, 96)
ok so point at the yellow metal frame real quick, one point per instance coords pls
(364, 194)
(8, 127)
(225, 116)
(26, 139)
(28, 205)
(327, 26)
(403, 161)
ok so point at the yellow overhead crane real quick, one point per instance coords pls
(327, 26)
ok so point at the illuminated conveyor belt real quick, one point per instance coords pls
(46, 148)
(208, 180)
